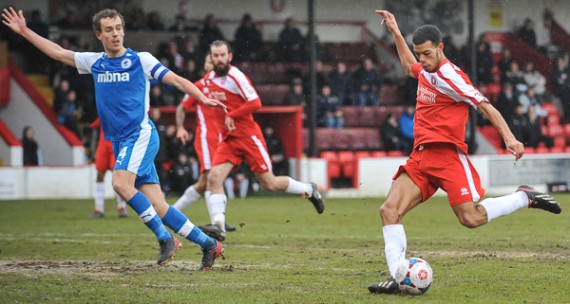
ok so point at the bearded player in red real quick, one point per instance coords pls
(104, 161)
(439, 158)
(242, 138)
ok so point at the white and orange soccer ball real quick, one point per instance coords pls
(414, 276)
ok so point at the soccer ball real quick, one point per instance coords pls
(414, 276)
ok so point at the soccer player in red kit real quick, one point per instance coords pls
(208, 136)
(104, 160)
(242, 138)
(439, 158)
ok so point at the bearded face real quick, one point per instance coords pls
(222, 69)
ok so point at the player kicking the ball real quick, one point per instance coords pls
(439, 158)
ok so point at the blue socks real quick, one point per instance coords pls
(148, 215)
(179, 223)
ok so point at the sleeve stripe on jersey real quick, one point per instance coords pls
(156, 67)
(452, 84)
(162, 73)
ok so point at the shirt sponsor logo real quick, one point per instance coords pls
(218, 95)
(113, 77)
(426, 95)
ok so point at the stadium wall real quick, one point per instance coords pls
(499, 175)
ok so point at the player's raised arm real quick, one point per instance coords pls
(514, 146)
(406, 56)
(187, 87)
(16, 21)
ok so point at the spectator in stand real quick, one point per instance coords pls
(535, 133)
(561, 81)
(174, 58)
(181, 174)
(180, 25)
(535, 79)
(406, 122)
(32, 155)
(162, 154)
(291, 43)
(529, 99)
(391, 135)
(70, 113)
(321, 77)
(367, 83)
(515, 77)
(248, 43)
(505, 63)
(156, 97)
(296, 97)
(340, 81)
(60, 95)
(328, 109)
(276, 151)
(484, 63)
(241, 176)
(507, 101)
(191, 72)
(38, 60)
(209, 33)
(526, 32)
(138, 19)
(520, 125)
(154, 22)
(190, 52)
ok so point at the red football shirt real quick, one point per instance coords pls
(209, 120)
(442, 107)
(238, 94)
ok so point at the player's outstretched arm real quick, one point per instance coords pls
(181, 133)
(187, 87)
(16, 21)
(406, 56)
(514, 146)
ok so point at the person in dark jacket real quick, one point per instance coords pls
(31, 149)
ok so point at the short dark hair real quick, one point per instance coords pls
(106, 13)
(427, 33)
(217, 43)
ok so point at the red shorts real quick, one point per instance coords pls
(104, 157)
(441, 165)
(251, 149)
(205, 147)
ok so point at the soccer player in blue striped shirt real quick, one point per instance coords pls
(121, 78)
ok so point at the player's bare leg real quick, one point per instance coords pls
(287, 184)
(404, 195)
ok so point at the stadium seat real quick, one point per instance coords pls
(333, 165)
(358, 139)
(361, 154)
(553, 119)
(529, 150)
(558, 149)
(542, 150)
(367, 118)
(390, 94)
(372, 138)
(550, 108)
(347, 160)
(326, 139)
(395, 153)
(560, 141)
(567, 130)
(555, 130)
(272, 94)
(351, 117)
(342, 139)
(378, 153)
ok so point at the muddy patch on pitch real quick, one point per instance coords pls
(89, 267)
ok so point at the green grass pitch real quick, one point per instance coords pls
(282, 252)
